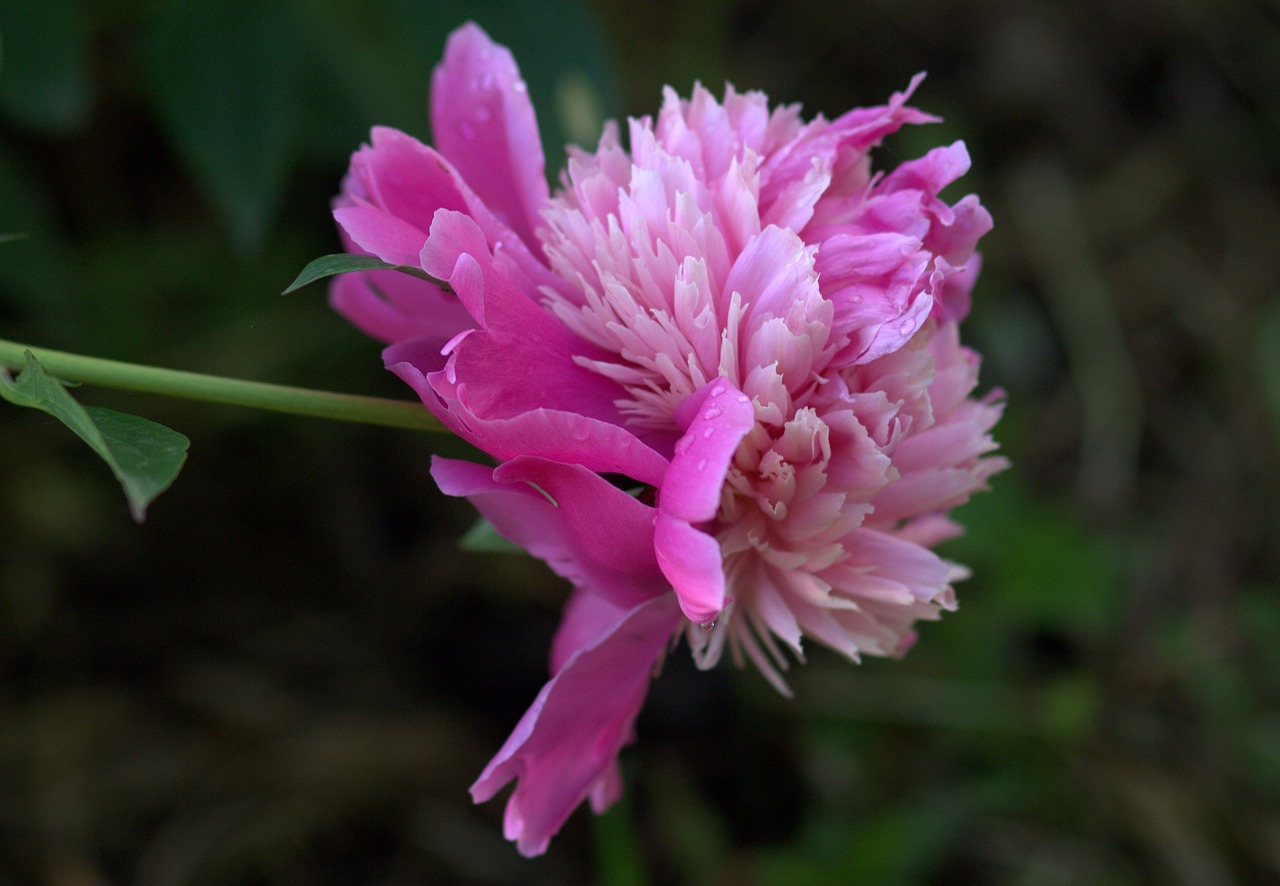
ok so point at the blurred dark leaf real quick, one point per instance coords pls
(1047, 568)
(44, 71)
(225, 77)
(618, 851)
(37, 271)
(144, 456)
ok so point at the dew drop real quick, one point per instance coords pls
(482, 114)
(713, 412)
(743, 398)
(708, 624)
(467, 130)
(702, 464)
(907, 326)
(519, 86)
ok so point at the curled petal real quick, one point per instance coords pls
(715, 420)
(692, 562)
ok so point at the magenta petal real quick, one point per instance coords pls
(565, 747)
(483, 121)
(405, 178)
(692, 562)
(588, 531)
(587, 615)
(715, 419)
(409, 181)
(381, 234)
(392, 306)
(559, 435)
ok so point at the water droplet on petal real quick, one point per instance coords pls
(907, 326)
(713, 413)
(519, 86)
(708, 433)
(708, 624)
(467, 130)
(482, 114)
(702, 464)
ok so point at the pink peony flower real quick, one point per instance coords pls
(720, 373)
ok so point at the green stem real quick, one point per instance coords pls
(229, 391)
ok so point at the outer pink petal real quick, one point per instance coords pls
(483, 121)
(403, 177)
(594, 534)
(390, 196)
(587, 615)
(565, 747)
(512, 387)
(379, 233)
(392, 306)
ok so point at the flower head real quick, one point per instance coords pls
(736, 315)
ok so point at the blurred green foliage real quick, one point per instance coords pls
(291, 673)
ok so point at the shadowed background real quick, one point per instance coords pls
(291, 674)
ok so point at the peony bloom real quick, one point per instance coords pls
(719, 372)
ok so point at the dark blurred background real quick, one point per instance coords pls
(290, 674)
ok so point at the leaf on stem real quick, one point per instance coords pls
(482, 538)
(144, 456)
(345, 263)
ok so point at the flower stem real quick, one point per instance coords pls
(229, 391)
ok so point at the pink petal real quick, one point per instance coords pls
(692, 562)
(589, 532)
(513, 386)
(392, 306)
(715, 419)
(381, 234)
(483, 121)
(565, 747)
(402, 176)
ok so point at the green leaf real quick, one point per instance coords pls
(482, 538)
(345, 262)
(144, 456)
